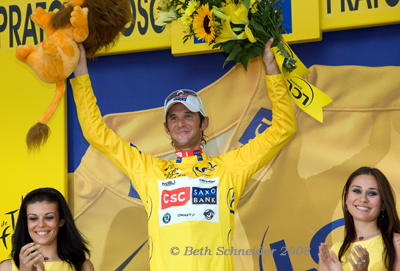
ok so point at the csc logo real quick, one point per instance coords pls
(176, 197)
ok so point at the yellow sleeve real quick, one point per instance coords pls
(124, 155)
(244, 162)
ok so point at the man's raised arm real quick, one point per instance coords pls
(123, 154)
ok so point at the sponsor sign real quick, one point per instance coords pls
(347, 14)
(16, 26)
(143, 35)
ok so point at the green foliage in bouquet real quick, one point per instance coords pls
(239, 28)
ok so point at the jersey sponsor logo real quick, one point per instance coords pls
(204, 195)
(166, 218)
(168, 183)
(204, 171)
(172, 173)
(206, 181)
(187, 215)
(176, 197)
(189, 199)
(208, 214)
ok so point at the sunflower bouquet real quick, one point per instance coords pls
(238, 27)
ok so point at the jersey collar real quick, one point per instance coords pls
(189, 153)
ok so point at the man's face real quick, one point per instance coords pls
(184, 127)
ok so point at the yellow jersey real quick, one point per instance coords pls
(190, 202)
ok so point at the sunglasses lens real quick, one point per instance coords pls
(180, 94)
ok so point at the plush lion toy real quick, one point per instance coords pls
(95, 23)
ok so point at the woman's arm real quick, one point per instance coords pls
(396, 242)
(5, 266)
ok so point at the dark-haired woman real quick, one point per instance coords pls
(372, 227)
(45, 237)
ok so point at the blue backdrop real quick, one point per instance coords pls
(139, 81)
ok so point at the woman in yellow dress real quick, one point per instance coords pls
(45, 236)
(372, 227)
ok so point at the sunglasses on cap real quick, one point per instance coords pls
(187, 97)
(177, 94)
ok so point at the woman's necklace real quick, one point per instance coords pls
(50, 258)
(363, 237)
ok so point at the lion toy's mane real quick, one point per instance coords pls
(106, 20)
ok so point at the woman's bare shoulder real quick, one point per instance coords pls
(396, 238)
(87, 266)
(6, 265)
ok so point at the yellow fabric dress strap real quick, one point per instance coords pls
(49, 266)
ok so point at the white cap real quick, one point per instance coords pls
(188, 98)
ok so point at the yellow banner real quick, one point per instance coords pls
(23, 99)
(348, 14)
(16, 26)
(309, 98)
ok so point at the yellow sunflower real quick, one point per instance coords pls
(203, 24)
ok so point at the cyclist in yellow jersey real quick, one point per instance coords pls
(190, 200)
